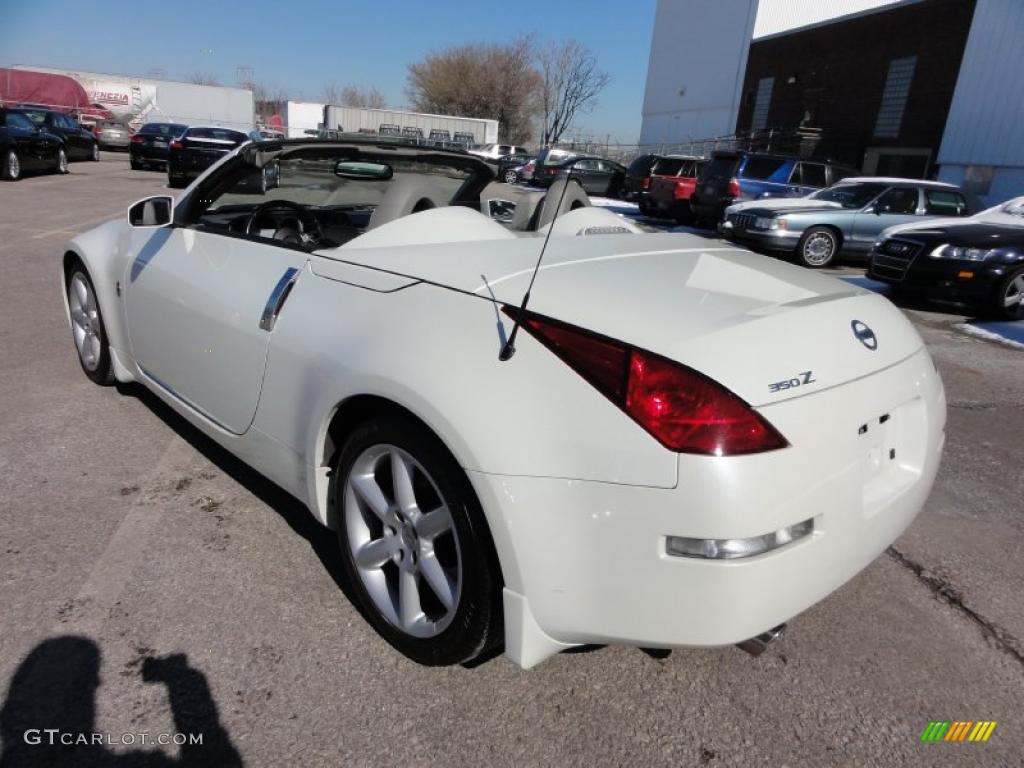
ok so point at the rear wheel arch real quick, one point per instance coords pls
(343, 420)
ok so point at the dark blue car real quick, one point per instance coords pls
(734, 176)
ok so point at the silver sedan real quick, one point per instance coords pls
(844, 218)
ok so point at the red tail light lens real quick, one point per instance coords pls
(734, 187)
(137, 140)
(682, 191)
(682, 409)
(645, 182)
(176, 144)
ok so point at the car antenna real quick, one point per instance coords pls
(509, 347)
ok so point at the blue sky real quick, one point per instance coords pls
(300, 46)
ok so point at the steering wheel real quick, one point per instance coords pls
(309, 226)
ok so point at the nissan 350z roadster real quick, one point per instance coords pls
(690, 445)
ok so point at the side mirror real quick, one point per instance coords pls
(151, 212)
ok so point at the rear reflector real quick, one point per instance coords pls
(682, 409)
(176, 144)
(734, 187)
(730, 549)
(138, 140)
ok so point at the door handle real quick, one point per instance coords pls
(277, 298)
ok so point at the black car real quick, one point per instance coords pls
(148, 147)
(597, 176)
(196, 150)
(24, 147)
(79, 142)
(638, 177)
(735, 176)
(978, 261)
(508, 164)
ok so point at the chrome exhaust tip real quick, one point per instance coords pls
(755, 646)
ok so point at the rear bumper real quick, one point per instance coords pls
(586, 562)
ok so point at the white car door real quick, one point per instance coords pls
(196, 303)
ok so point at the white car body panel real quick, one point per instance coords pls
(578, 497)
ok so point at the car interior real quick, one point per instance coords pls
(315, 197)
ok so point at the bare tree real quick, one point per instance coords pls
(357, 96)
(203, 78)
(353, 96)
(571, 82)
(491, 81)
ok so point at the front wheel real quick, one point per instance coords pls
(511, 177)
(11, 170)
(95, 154)
(87, 327)
(62, 161)
(415, 545)
(1009, 298)
(818, 247)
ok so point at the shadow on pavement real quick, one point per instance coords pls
(55, 688)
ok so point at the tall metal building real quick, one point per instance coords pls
(921, 88)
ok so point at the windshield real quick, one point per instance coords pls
(849, 195)
(311, 181)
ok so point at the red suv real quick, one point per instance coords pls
(673, 180)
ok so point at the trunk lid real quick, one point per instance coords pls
(748, 321)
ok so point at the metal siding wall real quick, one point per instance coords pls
(986, 119)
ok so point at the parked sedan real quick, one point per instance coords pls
(197, 149)
(597, 176)
(693, 444)
(23, 147)
(79, 142)
(844, 218)
(113, 135)
(509, 166)
(978, 260)
(148, 147)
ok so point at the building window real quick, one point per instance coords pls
(894, 97)
(761, 102)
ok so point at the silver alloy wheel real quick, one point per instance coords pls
(62, 161)
(510, 177)
(13, 166)
(818, 249)
(95, 151)
(403, 541)
(85, 322)
(1013, 296)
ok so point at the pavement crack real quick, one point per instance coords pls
(952, 596)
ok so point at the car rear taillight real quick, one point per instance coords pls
(138, 140)
(682, 409)
(682, 191)
(645, 182)
(176, 144)
(734, 187)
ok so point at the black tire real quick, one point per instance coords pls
(9, 171)
(94, 154)
(174, 183)
(103, 372)
(818, 247)
(1011, 286)
(644, 207)
(477, 623)
(683, 214)
(135, 164)
(62, 161)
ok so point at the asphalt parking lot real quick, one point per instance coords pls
(151, 583)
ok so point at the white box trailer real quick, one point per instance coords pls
(411, 124)
(137, 100)
(300, 117)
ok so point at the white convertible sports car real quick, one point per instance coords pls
(691, 444)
